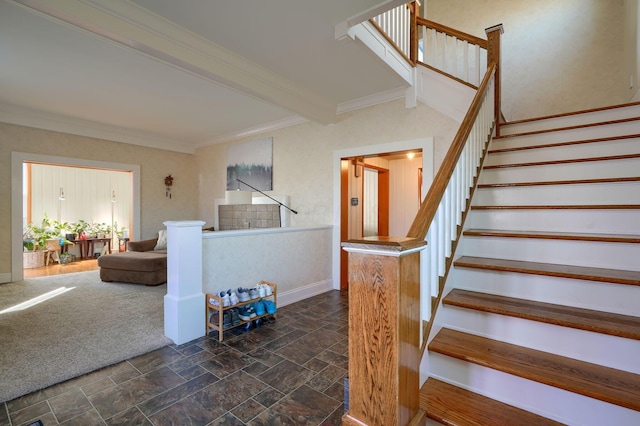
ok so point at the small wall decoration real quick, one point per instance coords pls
(251, 162)
(168, 182)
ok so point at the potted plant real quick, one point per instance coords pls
(35, 239)
(79, 228)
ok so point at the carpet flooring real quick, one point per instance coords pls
(72, 324)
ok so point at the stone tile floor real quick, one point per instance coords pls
(287, 372)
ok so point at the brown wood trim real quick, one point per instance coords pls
(344, 222)
(553, 145)
(558, 182)
(543, 235)
(383, 203)
(614, 276)
(494, 48)
(568, 114)
(393, 43)
(603, 383)
(452, 32)
(562, 129)
(413, 32)
(420, 225)
(451, 405)
(569, 161)
(446, 74)
(566, 316)
(563, 207)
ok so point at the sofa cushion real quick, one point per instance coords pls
(134, 261)
(162, 240)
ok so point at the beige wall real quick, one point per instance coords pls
(154, 164)
(303, 155)
(558, 56)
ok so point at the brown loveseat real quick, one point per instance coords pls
(140, 265)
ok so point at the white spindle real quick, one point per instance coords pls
(478, 76)
(465, 61)
(454, 66)
(435, 49)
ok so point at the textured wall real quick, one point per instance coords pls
(558, 56)
(303, 155)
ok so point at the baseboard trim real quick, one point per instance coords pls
(292, 296)
(5, 278)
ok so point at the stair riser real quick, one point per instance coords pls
(541, 399)
(569, 171)
(609, 130)
(610, 351)
(606, 297)
(566, 152)
(578, 253)
(572, 120)
(573, 221)
(573, 194)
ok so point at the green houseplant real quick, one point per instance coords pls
(39, 238)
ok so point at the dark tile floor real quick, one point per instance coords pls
(287, 372)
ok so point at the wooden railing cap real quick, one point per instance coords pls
(397, 244)
(498, 27)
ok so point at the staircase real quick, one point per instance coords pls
(540, 322)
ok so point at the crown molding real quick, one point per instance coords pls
(256, 130)
(371, 100)
(58, 123)
(128, 25)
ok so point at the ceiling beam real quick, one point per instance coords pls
(133, 27)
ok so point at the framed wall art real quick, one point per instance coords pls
(250, 162)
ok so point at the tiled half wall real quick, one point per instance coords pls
(248, 216)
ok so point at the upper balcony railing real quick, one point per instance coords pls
(454, 53)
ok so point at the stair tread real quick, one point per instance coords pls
(592, 380)
(571, 113)
(451, 405)
(569, 161)
(568, 316)
(546, 235)
(551, 269)
(559, 144)
(561, 129)
(560, 182)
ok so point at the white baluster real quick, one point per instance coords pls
(454, 58)
(465, 67)
(477, 58)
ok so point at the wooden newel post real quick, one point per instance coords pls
(384, 330)
(493, 55)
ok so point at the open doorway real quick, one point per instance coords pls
(83, 211)
(380, 195)
(18, 159)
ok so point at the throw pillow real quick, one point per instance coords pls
(162, 240)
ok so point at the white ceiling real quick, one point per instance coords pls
(179, 75)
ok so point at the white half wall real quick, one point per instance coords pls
(298, 260)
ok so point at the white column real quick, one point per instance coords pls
(184, 305)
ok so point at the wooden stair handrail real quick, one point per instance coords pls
(429, 206)
(452, 32)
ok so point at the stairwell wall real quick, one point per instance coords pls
(556, 56)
